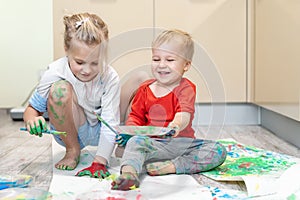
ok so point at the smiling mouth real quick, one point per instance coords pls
(164, 73)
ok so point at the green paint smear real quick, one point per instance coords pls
(57, 94)
(292, 197)
(247, 165)
(60, 120)
(54, 113)
(147, 130)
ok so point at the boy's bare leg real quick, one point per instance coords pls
(128, 179)
(66, 115)
(160, 168)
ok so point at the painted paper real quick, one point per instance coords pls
(243, 160)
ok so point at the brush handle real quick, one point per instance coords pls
(47, 131)
(3, 186)
(25, 129)
(106, 124)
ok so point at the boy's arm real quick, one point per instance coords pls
(180, 122)
(185, 108)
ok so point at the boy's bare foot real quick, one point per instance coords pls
(69, 161)
(126, 181)
(160, 168)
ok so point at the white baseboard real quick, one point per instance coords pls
(17, 113)
(205, 114)
(282, 126)
(226, 114)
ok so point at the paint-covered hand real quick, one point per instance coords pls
(174, 130)
(96, 170)
(37, 126)
(122, 139)
(126, 181)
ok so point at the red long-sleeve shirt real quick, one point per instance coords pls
(149, 110)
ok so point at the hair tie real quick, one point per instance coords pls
(79, 23)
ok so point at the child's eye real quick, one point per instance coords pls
(155, 59)
(170, 60)
(95, 64)
(79, 63)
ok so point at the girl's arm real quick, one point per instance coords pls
(30, 113)
(111, 114)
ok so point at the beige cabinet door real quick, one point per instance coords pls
(277, 60)
(219, 28)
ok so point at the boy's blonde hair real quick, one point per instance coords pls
(182, 38)
(85, 27)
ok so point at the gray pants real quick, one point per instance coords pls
(187, 154)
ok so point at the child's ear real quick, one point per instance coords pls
(66, 49)
(187, 66)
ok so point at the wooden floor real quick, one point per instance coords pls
(21, 153)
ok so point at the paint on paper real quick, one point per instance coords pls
(243, 160)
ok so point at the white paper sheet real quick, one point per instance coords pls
(66, 186)
(287, 186)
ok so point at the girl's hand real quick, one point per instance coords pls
(122, 139)
(96, 170)
(37, 126)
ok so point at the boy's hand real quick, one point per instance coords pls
(175, 130)
(171, 133)
(96, 170)
(126, 181)
(37, 126)
(122, 139)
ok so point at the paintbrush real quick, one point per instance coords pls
(169, 133)
(106, 124)
(48, 132)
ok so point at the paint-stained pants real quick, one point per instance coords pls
(188, 155)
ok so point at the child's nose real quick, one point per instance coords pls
(86, 68)
(162, 64)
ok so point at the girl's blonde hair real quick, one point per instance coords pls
(182, 38)
(90, 29)
(85, 27)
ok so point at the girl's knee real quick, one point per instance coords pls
(60, 93)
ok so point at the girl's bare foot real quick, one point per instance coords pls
(160, 168)
(69, 161)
